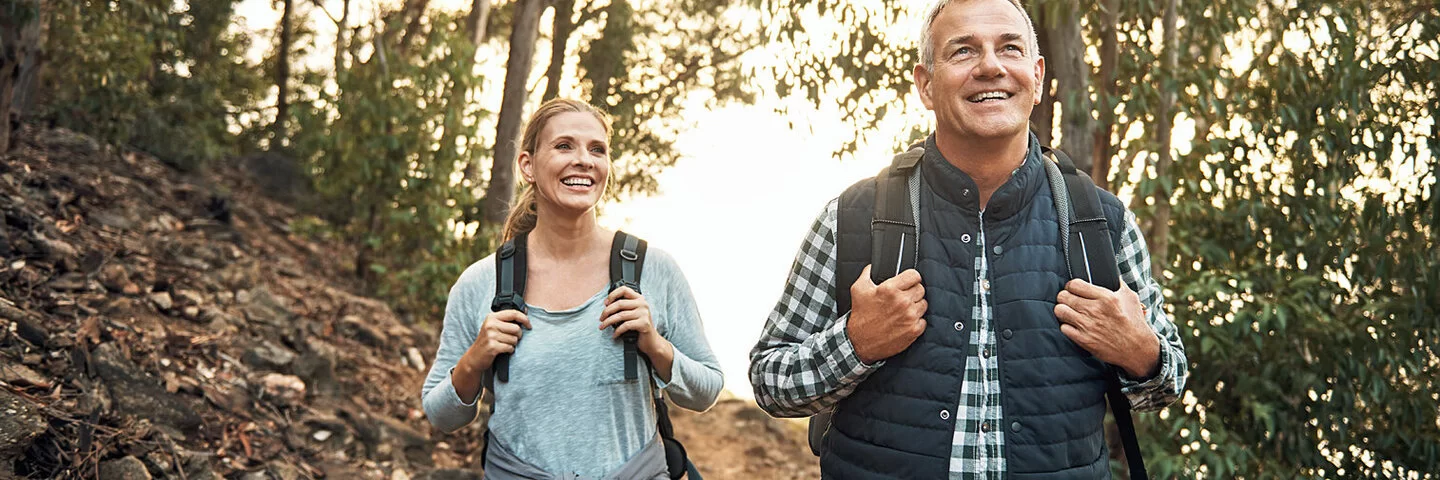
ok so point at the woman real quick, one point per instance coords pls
(566, 407)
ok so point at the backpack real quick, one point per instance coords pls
(1085, 235)
(627, 260)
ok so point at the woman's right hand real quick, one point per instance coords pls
(499, 334)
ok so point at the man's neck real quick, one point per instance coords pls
(988, 162)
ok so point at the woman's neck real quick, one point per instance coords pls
(562, 237)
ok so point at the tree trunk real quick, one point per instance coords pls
(524, 30)
(282, 77)
(1042, 118)
(475, 21)
(564, 26)
(474, 28)
(340, 31)
(414, 12)
(1160, 235)
(607, 55)
(20, 44)
(1106, 94)
(1067, 59)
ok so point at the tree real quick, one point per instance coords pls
(282, 74)
(19, 48)
(524, 29)
(1287, 179)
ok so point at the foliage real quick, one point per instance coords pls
(161, 76)
(662, 56)
(384, 147)
(1302, 267)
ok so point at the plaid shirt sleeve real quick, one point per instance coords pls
(1147, 395)
(804, 362)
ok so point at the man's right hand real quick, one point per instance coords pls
(499, 334)
(886, 318)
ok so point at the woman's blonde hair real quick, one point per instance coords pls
(523, 212)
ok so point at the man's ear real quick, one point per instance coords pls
(922, 85)
(1039, 78)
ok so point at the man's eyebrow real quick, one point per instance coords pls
(1011, 37)
(960, 39)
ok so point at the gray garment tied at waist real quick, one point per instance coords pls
(501, 464)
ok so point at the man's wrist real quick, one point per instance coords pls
(1148, 363)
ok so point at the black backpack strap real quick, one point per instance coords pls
(627, 260)
(509, 290)
(894, 247)
(1091, 257)
(894, 235)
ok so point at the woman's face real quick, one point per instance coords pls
(571, 163)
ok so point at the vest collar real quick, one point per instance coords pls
(956, 187)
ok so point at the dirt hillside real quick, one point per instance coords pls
(167, 325)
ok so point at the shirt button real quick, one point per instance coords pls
(944, 414)
(985, 284)
(965, 238)
(985, 353)
(1015, 427)
(985, 427)
(959, 326)
(998, 250)
(965, 193)
(1007, 333)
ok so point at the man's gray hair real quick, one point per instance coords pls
(927, 44)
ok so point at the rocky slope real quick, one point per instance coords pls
(164, 325)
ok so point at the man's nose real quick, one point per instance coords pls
(990, 66)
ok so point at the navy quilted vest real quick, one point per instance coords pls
(900, 422)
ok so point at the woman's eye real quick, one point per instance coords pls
(597, 149)
(562, 146)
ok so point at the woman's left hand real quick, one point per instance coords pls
(627, 311)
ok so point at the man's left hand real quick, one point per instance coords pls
(1110, 325)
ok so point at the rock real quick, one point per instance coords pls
(20, 423)
(357, 328)
(138, 395)
(283, 471)
(114, 277)
(57, 250)
(112, 220)
(70, 281)
(416, 360)
(450, 474)
(318, 371)
(17, 374)
(162, 300)
(130, 289)
(263, 307)
(284, 389)
(268, 356)
(189, 297)
(128, 468)
(64, 139)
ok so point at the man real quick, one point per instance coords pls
(986, 360)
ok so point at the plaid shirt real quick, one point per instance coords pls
(804, 362)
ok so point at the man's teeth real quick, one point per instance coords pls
(989, 96)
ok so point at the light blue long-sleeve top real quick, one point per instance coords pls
(567, 406)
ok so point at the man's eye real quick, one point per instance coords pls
(962, 51)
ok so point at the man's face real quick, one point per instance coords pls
(985, 81)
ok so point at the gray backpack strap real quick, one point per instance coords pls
(1083, 224)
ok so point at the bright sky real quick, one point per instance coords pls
(736, 206)
(734, 210)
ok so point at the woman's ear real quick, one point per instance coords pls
(526, 167)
